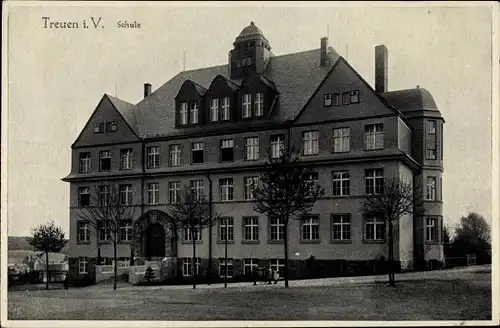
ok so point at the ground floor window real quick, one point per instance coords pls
(187, 266)
(248, 266)
(83, 263)
(277, 265)
(374, 228)
(222, 267)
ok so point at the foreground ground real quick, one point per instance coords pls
(459, 294)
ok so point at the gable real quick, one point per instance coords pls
(105, 112)
(220, 85)
(343, 79)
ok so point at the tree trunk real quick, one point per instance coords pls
(116, 264)
(47, 268)
(391, 256)
(285, 268)
(194, 260)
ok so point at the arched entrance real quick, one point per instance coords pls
(155, 241)
(155, 236)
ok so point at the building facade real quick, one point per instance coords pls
(211, 129)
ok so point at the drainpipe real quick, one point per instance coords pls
(143, 146)
(209, 274)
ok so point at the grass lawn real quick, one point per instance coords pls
(431, 299)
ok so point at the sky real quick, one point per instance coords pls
(57, 77)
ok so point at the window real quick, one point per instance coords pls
(183, 114)
(175, 155)
(226, 189)
(431, 229)
(277, 265)
(187, 234)
(341, 140)
(277, 229)
(374, 228)
(310, 228)
(247, 105)
(103, 195)
(277, 145)
(126, 231)
(194, 111)
(187, 266)
(99, 128)
(125, 159)
(126, 194)
(310, 142)
(174, 189)
(341, 183)
(222, 267)
(153, 193)
(197, 188)
(313, 180)
(346, 98)
(105, 160)
(214, 109)
(83, 263)
(430, 188)
(153, 157)
(354, 97)
(327, 101)
(226, 229)
(85, 162)
(103, 228)
(249, 60)
(432, 127)
(374, 181)
(84, 196)
(431, 153)
(252, 148)
(251, 229)
(374, 136)
(337, 100)
(197, 153)
(226, 107)
(250, 183)
(341, 227)
(259, 104)
(248, 266)
(111, 126)
(83, 232)
(226, 150)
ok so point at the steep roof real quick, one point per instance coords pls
(250, 32)
(411, 100)
(296, 76)
(127, 110)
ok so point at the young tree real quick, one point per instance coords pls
(395, 198)
(149, 275)
(47, 238)
(192, 213)
(286, 190)
(110, 208)
(446, 240)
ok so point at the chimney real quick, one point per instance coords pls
(324, 60)
(147, 89)
(381, 68)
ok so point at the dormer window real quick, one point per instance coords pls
(194, 111)
(183, 114)
(214, 109)
(226, 107)
(259, 104)
(247, 105)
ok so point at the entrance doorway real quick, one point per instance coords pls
(155, 241)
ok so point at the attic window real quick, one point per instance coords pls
(354, 97)
(99, 128)
(111, 126)
(327, 100)
(337, 99)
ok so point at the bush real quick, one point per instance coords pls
(81, 281)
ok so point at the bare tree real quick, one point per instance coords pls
(109, 211)
(47, 238)
(191, 213)
(286, 190)
(395, 198)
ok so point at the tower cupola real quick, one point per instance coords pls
(250, 53)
